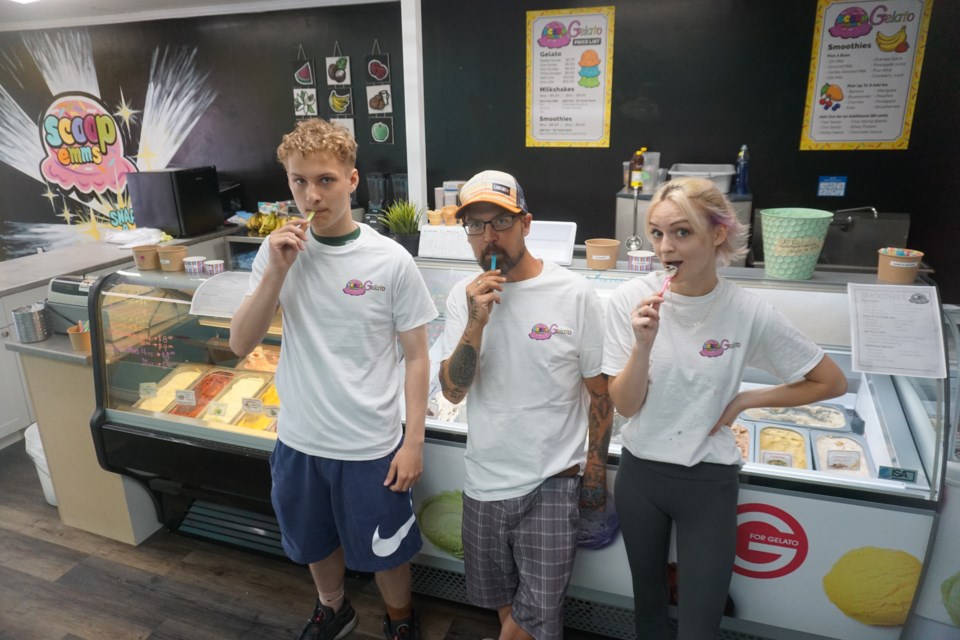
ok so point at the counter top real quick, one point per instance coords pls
(56, 347)
(27, 272)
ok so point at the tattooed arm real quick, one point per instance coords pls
(593, 491)
(458, 371)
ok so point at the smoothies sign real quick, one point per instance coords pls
(85, 154)
(569, 77)
(864, 74)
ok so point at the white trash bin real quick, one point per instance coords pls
(35, 451)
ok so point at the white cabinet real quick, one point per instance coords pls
(17, 412)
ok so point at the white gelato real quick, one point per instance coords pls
(843, 455)
(246, 387)
(168, 390)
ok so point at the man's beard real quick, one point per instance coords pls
(505, 262)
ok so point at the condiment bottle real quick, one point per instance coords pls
(636, 169)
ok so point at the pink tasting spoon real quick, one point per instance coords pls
(671, 271)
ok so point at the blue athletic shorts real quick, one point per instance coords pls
(322, 504)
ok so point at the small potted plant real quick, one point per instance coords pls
(402, 220)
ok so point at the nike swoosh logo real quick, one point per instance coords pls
(384, 547)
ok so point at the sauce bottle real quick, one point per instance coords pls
(636, 169)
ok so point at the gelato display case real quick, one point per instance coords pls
(838, 500)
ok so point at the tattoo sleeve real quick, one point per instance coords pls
(458, 372)
(593, 492)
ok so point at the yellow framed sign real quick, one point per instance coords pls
(864, 74)
(569, 77)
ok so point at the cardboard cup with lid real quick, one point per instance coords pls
(899, 266)
(602, 253)
(171, 258)
(145, 255)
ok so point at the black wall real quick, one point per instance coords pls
(693, 79)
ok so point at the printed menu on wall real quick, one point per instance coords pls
(864, 74)
(569, 77)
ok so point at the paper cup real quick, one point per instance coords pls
(602, 253)
(213, 267)
(171, 258)
(145, 255)
(79, 340)
(899, 266)
(435, 217)
(640, 260)
(193, 265)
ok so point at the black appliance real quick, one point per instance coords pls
(181, 202)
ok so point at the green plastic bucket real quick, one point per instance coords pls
(792, 240)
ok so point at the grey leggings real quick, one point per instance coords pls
(702, 502)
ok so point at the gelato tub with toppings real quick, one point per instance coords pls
(744, 433)
(845, 454)
(783, 447)
(814, 416)
(262, 358)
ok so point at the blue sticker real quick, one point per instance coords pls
(832, 186)
(895, 473)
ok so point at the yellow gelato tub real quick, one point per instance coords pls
(783, 447)
(261, 421)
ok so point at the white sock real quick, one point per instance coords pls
(333, 600)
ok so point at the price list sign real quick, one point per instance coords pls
(569, 77)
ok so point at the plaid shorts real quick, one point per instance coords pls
(520, 552)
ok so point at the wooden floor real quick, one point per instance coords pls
(60, 583)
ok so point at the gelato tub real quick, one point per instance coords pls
(743, 433)
(204, 390)
(177, 380)
(262, 358)
(227, 406)
(783, 447)
(814, 416)
(261, 421)
(846, 454)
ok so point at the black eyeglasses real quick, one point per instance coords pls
(500, 223)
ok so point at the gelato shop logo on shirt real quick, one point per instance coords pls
(770, 542)
(541, 331)
(357, 288)
(716, 348)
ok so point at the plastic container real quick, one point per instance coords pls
(640, 260)
(719, 174)
(79, 339)
(35, 451)
(171, 258)
(602, 253)
(899, 266)
(193, 265)
(792, 240)
(145, 256)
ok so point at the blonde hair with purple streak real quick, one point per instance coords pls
(705, 208)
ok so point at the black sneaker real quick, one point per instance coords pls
(327, 624)
(406, 629)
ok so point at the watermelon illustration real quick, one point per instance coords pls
(304, 75)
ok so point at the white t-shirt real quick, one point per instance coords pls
(528, 405)
(695, 372)
(338, 377)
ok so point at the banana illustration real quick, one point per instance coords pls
(897, 42)
(338, 102)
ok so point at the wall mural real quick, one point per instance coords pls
(79, 148)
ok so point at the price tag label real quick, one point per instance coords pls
(217, 409)
(148, 390)
(271, 410)
(186, 397)
(776, 458)
(252, 405)
(895, 473)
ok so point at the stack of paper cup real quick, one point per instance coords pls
(640, 260)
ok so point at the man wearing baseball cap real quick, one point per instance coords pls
(524, 338)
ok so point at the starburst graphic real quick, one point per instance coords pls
(127, 115)
(66, 214)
